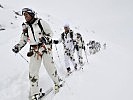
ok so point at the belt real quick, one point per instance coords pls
(39, 44)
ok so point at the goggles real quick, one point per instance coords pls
(27, 10)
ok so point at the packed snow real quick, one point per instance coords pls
(109, 73)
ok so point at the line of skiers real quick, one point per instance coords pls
(93, 46)
(39, 35)
(71, 42)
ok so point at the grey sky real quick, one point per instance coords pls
(106, 17)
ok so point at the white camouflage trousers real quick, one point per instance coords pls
(34, 66)
(69, 56)
(79, 54)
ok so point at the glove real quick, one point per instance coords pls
(55, 41)
(42, 39)
(30, 53)
(83, 47)
(15, 49)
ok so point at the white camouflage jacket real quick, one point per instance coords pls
(34, 34)
(67, 40)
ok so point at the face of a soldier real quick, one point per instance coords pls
(66, 29)
(27, 16)
(78, 36)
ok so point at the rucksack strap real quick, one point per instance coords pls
(63, 34)
(42, 30)
(32, 31)
(40, 26)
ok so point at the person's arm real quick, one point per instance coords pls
(22, 43)
(59, 40)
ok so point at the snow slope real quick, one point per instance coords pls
(109, 74)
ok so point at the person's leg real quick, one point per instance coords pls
(73, 59)
(51, 69)
(34, 67)
(80, 56)
(67, 63)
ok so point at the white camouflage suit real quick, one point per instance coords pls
(79, 45)
(67, 41)
(42, 53)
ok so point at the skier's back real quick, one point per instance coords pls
(67, 40)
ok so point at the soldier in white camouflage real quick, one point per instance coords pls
(39, 35)
(68, 43)
(79, 45)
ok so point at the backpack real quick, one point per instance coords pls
(63, 35)
(47, 39)
(40, 26)
(46, 36)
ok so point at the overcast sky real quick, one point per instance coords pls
(106, 17)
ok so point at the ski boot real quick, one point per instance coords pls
(56, 88)
(41, 94)
(69, 70)
(81, 63)
(61, 83)
(35, 97)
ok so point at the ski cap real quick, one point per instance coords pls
(66, 25)
(78, 35)
(29, 11)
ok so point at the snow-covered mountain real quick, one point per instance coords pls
(109, 73)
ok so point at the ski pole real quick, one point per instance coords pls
(57, 52)
(24, 58)
(86, 56)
